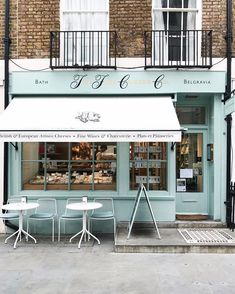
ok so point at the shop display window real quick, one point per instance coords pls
(148, 165)
(69, 166)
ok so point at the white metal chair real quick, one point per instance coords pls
(69, 215)
(9, 215)
(47, 210)
(106, 212)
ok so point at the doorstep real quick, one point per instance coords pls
(144, 238)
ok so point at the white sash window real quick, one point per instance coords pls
(83, 21)
(176, 22)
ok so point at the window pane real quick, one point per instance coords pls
(80, 166)
(164, 3)
(175, 21)
(105, 166)
(59, 179)
(190, 3)
(186, 3)
(189, 163)
(32, 168)
(31, 151)
(148, 163)
(175, 3)
(191, 115)
(32, 176)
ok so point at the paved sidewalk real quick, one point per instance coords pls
(144, 238)
(48, 267)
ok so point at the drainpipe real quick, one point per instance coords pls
(6, 92)
(228, 119)
(228, 171)
(229, 38)
(7, 42)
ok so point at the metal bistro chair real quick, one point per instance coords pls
(69, 215)
(47, 210)
(10, 215)
(106, 212)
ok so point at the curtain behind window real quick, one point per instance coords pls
(164, 20)
(85, 15)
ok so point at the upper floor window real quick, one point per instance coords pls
(84, 38)
(177, 22)
(84, 15)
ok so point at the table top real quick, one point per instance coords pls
(20, 205)
(84, 205)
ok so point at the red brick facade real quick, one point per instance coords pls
(31, 22)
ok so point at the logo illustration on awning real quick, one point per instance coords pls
(88, 116)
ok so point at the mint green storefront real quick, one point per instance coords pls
(194, 170)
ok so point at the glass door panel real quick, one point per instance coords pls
(189, 163)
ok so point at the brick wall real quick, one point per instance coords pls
(130, 19)
(2, 14)
(214, 18)
(31, 22)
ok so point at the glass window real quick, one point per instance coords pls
(189, 163)
(176, 38)
(69, 166)
(84, 15)
(83, 20)
(191, 115)
(148, 165)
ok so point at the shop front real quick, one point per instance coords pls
(104, 133)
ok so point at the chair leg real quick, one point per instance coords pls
(5, 227)
(53, 230)
(89, 228)
(59, 230)
(27, 229)
(114, 229)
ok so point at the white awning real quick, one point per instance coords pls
(89, 119)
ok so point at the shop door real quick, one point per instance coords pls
(191, 174)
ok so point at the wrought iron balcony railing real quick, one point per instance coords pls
(83, 49)
(179, 49)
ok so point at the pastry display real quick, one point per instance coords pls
(89, 164)
(81, 151)
(53, 178)
(60, 178)
(38, 180)
(98, 179)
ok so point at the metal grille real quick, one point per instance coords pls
(206, 236)
(83, 49)
(178, 48)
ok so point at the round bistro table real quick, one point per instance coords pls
(84, 207)
(20, 207)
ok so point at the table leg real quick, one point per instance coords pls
(79, 244)
(20, 231)
(11, 236)
(28, 235)
(85, 231)
(80, 232)
(75, 236)
(89, 233)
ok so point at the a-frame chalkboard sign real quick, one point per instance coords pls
(142, 190)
